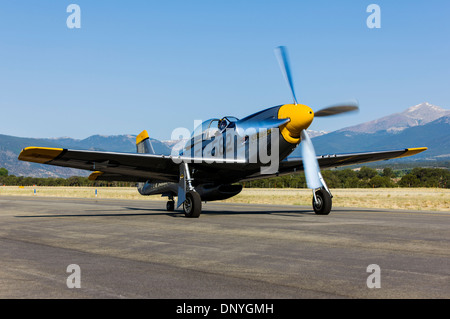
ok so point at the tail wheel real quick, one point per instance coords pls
(323, 204)
(192, 206)
(170, 206)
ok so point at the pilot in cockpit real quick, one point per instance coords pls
(222, 124)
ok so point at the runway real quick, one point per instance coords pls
(136, 249)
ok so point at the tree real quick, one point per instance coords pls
(380, 181)
(409, 180)
(366, 173)
(388, 172)
(331, 179)
(3, 171)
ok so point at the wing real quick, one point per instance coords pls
(114, 166)
(131, 167)
(294, 164)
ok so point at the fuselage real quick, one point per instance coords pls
(258, 140)
(252, 146)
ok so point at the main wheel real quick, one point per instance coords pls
(170, 206)
(192, 206)
(323, 204)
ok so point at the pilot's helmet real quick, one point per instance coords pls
(222, 124)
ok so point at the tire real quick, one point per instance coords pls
(192, 206)
(323, 205)
(170, 206)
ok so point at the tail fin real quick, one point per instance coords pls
(143, 144)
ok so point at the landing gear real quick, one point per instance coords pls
(192, 206)
(170, 206)
(321, 202)
(187, 196)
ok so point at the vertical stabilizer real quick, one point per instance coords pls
(143, 144)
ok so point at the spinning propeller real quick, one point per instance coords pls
(313, 176)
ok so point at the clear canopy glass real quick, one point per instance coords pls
(209, 127)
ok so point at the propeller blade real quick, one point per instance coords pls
(337, 109)
(310, 164)
(283, 60)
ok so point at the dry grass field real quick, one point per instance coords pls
(390, 198)
(434, 199)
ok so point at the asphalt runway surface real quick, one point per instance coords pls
(136, 249)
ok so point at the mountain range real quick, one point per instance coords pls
(420, 125)
(416, 115)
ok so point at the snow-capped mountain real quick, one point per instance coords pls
(419, 114)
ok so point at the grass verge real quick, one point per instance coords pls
(435, 199)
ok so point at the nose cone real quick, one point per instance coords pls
(301, 117)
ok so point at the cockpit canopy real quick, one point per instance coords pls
(212, 126)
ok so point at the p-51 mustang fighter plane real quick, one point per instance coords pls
(220, 153)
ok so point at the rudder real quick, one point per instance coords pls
(143, 144)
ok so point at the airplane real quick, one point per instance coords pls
(222, 152)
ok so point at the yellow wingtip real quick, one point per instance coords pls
(40, 155)
(413, 151)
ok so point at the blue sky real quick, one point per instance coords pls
(158, 65)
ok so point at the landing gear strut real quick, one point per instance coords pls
(187, 196)
(321, 201)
